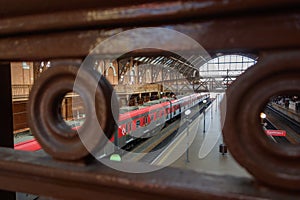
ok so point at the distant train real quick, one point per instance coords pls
(148, 120)
(140, 122)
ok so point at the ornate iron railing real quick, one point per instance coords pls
(64, 30)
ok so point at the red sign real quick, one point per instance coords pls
(276, 132)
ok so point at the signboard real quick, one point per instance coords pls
(276, 132)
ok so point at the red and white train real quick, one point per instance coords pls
(147, 121)
(140, 123)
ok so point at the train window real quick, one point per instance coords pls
(152, 117)
(146, 120)
(137, 123)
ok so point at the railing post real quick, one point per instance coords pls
(6, 117)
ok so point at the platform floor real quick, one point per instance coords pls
(18, 139)
(203, 154)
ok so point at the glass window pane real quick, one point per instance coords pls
(221, 59)
(239, 59)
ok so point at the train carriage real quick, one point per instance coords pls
(138, 123)
(149, 120)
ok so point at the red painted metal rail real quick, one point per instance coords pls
(29, 145)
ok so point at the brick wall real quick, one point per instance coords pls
(19, 115)
(20, 74)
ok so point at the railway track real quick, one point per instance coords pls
(281, 121)
(277, 139)
(292, 123)
(156, 143)
(158, 149)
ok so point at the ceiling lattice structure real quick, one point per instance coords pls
(178, 74)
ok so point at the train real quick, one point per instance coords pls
(136, 123)
(144, 122)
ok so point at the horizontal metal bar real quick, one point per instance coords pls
(33, 173)
(16, 7)
(51, 17)
(242, 34)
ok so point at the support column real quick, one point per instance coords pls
(36, 70)
(6, 117)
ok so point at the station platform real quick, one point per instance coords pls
(23, 137)
(290, 112)
(203, 154)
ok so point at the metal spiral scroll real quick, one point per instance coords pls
(270, 163)
(46, 122)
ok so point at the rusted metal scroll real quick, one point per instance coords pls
(45, 120)
(270, 163)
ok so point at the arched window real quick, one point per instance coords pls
(220, 71)
(111, 67)
(132, 76)
(100, 67)
(222, 65)
(148, 76)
